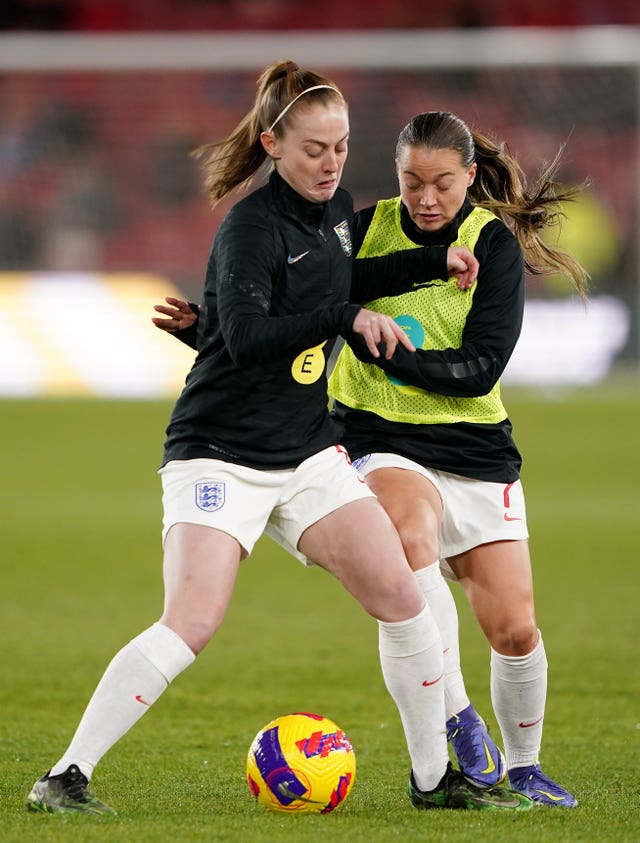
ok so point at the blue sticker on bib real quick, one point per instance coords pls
(414, 330)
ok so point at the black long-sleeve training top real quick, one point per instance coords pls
(277, 291)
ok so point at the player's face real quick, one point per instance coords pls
(433, 184)
(310, 155)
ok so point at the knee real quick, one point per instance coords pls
(394, 598)
(515, 638)
(196, 633)
(420, 540)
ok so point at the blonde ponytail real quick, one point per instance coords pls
(234, 162)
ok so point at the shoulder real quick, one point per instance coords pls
(496, 239)
(501, 259)
(249, 206)
(253, 211)
(250, 228)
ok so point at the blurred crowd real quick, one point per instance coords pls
(95, 171)
(183, 15)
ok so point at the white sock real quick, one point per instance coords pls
(132, 682)
(518, 693)
(412, 667)
(440, 599)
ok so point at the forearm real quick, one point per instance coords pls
(399, 272)
(251, 338)
(457, 372)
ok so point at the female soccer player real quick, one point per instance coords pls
(429, 429)
(251, 446)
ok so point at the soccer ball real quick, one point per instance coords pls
(301, 763)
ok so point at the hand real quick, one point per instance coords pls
(377, 327)
(462, 264)
(180, 315)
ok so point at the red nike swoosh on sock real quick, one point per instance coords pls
(426, 683)
(526, 725)
(140, 700)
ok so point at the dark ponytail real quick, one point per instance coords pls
(500, 185)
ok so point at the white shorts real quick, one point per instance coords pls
(245, 502)
(475, 512)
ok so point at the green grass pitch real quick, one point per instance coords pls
(80, 575)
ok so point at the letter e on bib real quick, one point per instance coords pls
(309, 366)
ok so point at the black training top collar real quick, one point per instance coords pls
(293, 203)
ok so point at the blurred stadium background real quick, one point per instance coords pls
(102, 213)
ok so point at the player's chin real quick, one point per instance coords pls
(431, 222)
(325, 190)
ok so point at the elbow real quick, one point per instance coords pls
(244, 341)
(476, 377)
(240, 354)
(478, 387)
(241, 351)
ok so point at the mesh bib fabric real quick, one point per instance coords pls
(433, 315)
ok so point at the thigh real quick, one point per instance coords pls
(413, 503)
(359, 545)
(497, 580)
(200, 569)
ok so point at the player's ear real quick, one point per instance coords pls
(270, 144)
(472, 174)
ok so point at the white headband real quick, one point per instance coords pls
(295, 100)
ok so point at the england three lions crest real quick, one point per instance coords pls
(360, 462)
(210, 496)
(344, 236)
